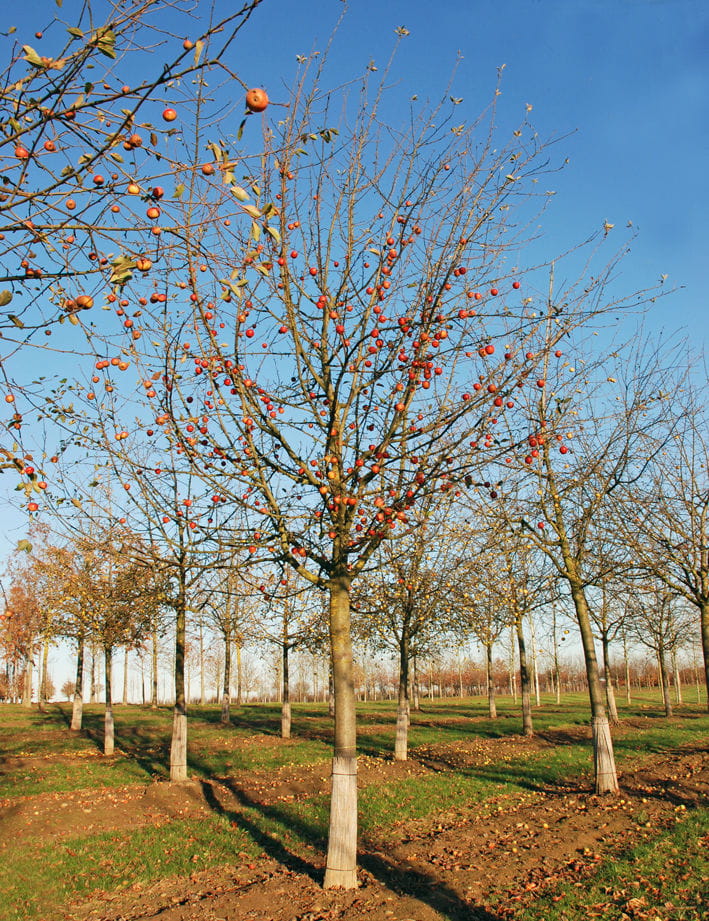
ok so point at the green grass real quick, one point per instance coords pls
(55, 760)
(663, 879)
(43, 776)
(38, 881)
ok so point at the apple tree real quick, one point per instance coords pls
(328, 327)
(343, 346)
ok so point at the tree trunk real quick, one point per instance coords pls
(285, 691)
(610, 694)
(125, 678)
(606, 780)
(202, 689)
(154, 671)
(27, 686)
(43, 681)
(78, 705)
(401, 742)
(108, 731)
(664, 680)
(93, 695)
(525, 680)
(490, 677)
(342, 839)
(704, 627)
(415, 685)
(535, 666)
(557, 669)
(557, 677)
(178, 747)
(627, 669)
(676, 677)
(40, 679)
(239, 676)
(513, 677)
(226, 686)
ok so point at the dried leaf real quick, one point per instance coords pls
(32, 57)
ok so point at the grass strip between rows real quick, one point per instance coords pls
(665, 879)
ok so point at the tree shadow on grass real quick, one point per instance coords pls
(536, 774)
(146, 747)
(268, 843)
(260, 718)
(92, 727)
(64, 713)
(405, 881)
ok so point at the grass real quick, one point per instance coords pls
(45, 776)
(39, 881)
(668, 874)
(52, 759)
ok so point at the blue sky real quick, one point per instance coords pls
(629, 79)
(623, 83)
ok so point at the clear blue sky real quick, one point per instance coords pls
(629, 78)
(626, 81)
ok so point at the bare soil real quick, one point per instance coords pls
(478, 862)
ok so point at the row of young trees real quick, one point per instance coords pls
(320, 364)
(50, 599)
(455, 668)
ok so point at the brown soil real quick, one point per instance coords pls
(455, 866)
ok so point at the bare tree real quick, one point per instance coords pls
(665, 516)
(360, 356)
(581, 454)
(405, 601)
(660, 622)
(293, 618)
